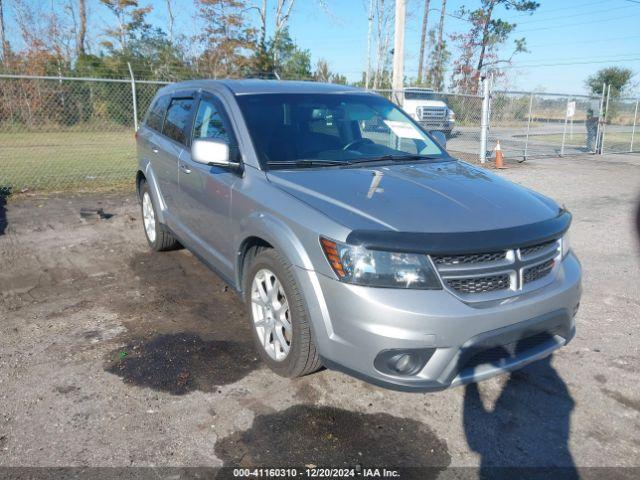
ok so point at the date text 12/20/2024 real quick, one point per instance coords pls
(315, 472)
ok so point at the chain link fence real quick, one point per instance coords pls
(619, 130)
(60, 133)
(68, 133)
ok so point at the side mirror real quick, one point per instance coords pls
(439, 137)
(212, 152)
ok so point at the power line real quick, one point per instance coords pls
(591, 62)
(573, 24)
(593, 12)
(581, 42)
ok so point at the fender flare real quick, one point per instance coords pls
(277, 233)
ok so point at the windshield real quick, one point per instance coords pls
(328, 128)
(419, 95)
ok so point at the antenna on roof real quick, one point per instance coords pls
(275, 73)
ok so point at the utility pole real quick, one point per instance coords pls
(368, 72)
(398, 51)
(423, 39)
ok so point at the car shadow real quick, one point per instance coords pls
(526, 433)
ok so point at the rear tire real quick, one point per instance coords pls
(283, 338)
(158, 236)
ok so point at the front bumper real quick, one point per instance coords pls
(354, 324)
(443, 126)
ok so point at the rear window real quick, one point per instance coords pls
(177, 124)
(155, 116)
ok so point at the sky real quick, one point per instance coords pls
(568, 40)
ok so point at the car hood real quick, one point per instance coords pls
(439, 197)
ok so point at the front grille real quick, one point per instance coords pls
(432, 113)
(537, 272)
(497, 274)
(479, 284)
(534, 250)
(469, 258)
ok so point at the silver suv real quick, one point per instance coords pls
(370, 251)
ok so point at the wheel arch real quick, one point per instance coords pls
(268, 231)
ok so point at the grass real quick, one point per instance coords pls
(67, 160)
(611, 139)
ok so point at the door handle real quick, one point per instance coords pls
(185, 168)
(154, 149)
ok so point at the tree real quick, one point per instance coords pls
(3, 38)
(438, 65)
(423, 39)
(479, 45)
(82, 29)
(617, 77)
(385, 14)
(131, 20)
(323, 74)
(496, 30)
(289, 60)
(438, 61)
(228, 41)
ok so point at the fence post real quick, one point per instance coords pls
(606, 114)
(564, 130)
(134, 99)
(526, 142)
(600, 116)
(484, 121)
(633, 131)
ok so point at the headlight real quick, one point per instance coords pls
(374, 268)
(566, 245)
(451, 115)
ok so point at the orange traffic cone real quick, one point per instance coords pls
(499, 158)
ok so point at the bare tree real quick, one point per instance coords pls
(423, 39)
(385, 18)
(82, 29)
(440, 45)
(368, 72)
(171, 19)
(3, 38)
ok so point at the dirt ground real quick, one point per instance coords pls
(111, 355)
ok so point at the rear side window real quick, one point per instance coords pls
(177, 124)
(156, 113)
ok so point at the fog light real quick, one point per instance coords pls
(403, 362)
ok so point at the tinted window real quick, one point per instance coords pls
(209, 122)
(359, 127)
(178, 121)
(155, 116)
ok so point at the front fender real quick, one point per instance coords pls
(278, 234)
(281, 236)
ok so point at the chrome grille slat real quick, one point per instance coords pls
(479, 284)
(470, 258)
(531, 274)
(539, 250)
(432, 113)
(493, 275)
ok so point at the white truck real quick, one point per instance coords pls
(425, 107)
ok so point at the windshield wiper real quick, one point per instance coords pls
(396, 158)
(308, 162)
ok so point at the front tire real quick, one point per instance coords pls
(158, 236)
(280, 323)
